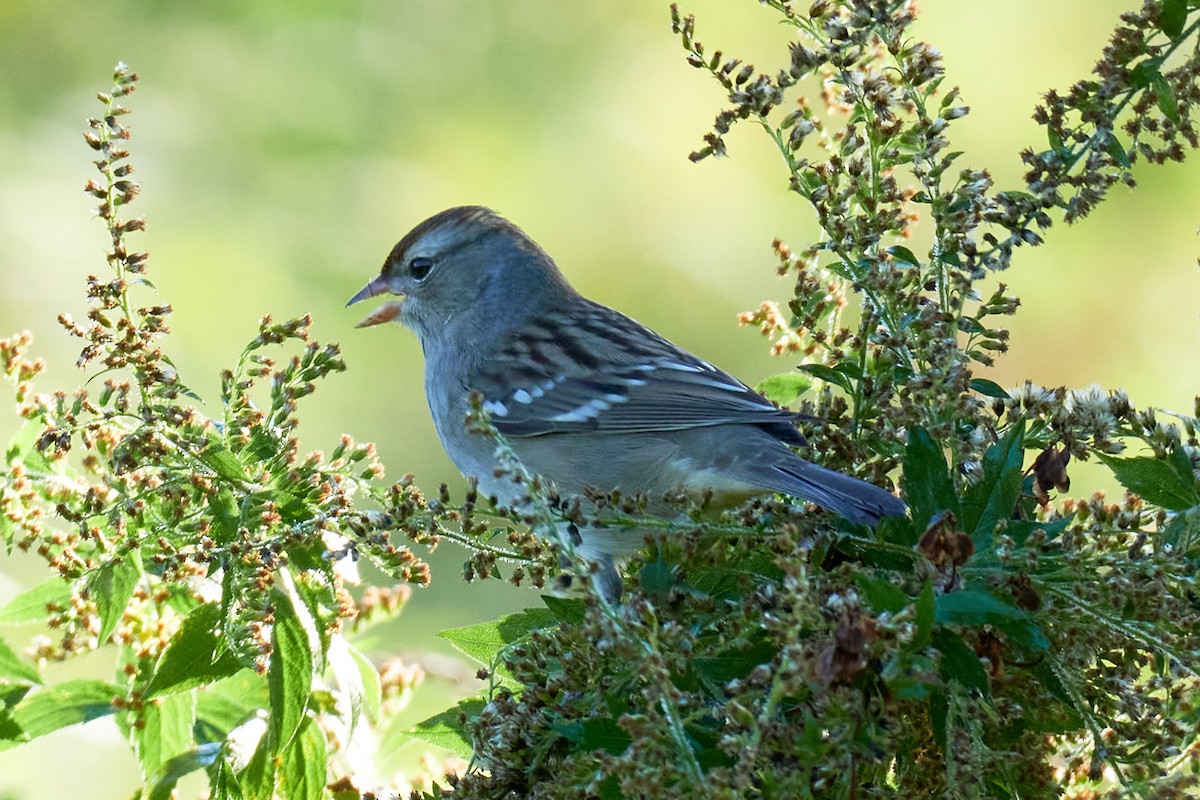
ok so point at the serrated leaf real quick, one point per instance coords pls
(904, 255)
(225, 515)
(959, 664)
(21, 447)
(1168, 104)
(1155, 480)
(228, 703)
(928, 487)
(1118, 152)
(910, 676)
(882, 595)
(166, 733)
(939, 719)
(1183, 531)
(302, 768)
(257, 780)
(995, 496)
(32, 605)
(1020, 529)
(163, 783)
(829, 375)
(1026, 633)
(190, 658)
(657, 578)
(111, 587)
(1054, 138)
(223, 783)
(785, 388)
(925, 615)
(55, 707)
(1172, 16)
(13, 667)
(975, 607)
(444, 730)
(486, 641)
(568, 610)
(601, 733)
(989, 388)
(372, 700)
(290, 673)
(221, 460)
(349, 680)
(717, 670)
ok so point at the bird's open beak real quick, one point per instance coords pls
(376, 287)
(386, 312)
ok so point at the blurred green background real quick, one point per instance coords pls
(283, 147)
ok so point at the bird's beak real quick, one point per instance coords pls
(386, 312)
(376, 287)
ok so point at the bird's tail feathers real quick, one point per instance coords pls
(855, 499)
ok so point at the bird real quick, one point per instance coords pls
(586, 397)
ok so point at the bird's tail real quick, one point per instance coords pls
(856, 500)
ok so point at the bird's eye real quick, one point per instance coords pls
(420, 267)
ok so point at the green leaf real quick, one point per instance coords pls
(939, 719)
(22, 447)
(910, 676)
(1183, 531)
(903, 255)
(1164, 482)
(1055, 139)
(924, 619)
(225, 516)
(222, 782)
(882, 595)
(448, 729)
(601, 733)
(486, 641)
(164, 781)
(988, 388)
(717, 670)
(1165, 95)
(349, 678)
(1118, 152)
(995, 496)
(55, 707)
(167, 732)
(303, 765)
(111, 587)
(927, 478)
(975, 607)
(657, 578)
(221, 460)
(190, 658)
(290, 673)
(1144, 72)
(372, 700)
(784, 388)
(257, 780)
(567, 610)
(1172, 17)
(959, 663)
(829, 375)
(1020, 529)
(33, 605)
(13, 667)
(228, 703)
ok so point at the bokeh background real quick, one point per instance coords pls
(283, 147)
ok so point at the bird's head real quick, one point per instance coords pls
(466, 265)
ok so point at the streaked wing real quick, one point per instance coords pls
(613, 376)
